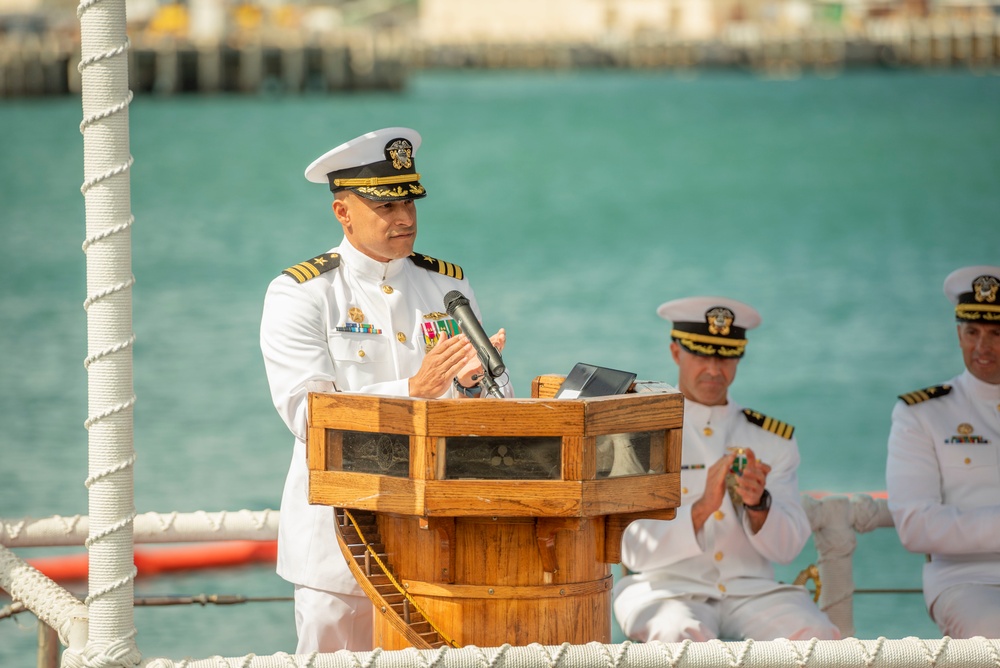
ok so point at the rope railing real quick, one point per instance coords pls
(836, 521)
(51, 603)
(879, 653)
(151, 527)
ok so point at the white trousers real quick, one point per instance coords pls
(785, 613)
(326, 621)
(965, 611)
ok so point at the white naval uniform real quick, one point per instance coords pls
(725, 560)
(943, 480)
(304, 352)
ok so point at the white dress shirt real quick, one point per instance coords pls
(943, 480)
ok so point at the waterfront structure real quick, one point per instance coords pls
(211, 46)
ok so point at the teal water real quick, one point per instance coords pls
(576, 203)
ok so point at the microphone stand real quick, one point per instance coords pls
(489, 384)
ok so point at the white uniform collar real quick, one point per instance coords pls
(700, 413)
(979, 389)
(367, 267)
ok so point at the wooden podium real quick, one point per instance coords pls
(492, 521)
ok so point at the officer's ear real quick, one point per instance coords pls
(342, 211)
(675, 352)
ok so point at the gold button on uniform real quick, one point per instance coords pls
(968, 461)
(718, 556)
(361, 353)
(684, 490)
(401, 337)
(708, 431)
(387, 289)
(718, 514)
(722, 588)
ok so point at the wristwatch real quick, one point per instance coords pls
(763, 504)
(473, 391)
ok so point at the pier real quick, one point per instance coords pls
(33, 65)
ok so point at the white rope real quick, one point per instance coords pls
(879, 653)
(150, 527)
(51, 603)
(104, 234)
(107, 163)
(836, 520)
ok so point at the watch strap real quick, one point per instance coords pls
(473, 391)
(763, 504)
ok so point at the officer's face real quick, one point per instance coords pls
(705, 380)
(381, 230)
(980, 345)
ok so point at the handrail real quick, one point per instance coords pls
(836, 520)
(149, 527)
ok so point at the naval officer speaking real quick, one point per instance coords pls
(365, 316)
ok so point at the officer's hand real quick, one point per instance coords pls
(754, 479)
(475, 367)
(715, 484)
(440, 367)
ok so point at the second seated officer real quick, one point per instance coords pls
(943, 468)
(708, 573)
(365, 316)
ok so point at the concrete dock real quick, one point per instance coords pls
(40, 65)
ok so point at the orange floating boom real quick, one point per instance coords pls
(166, 560)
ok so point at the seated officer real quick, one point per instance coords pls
(943, 468)
(708, 573)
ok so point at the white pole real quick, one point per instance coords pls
(106, 159)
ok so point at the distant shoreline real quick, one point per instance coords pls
(33, 65)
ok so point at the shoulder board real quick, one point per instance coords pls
(440, 266)
(927, 393)
(782, 429)
(303, 271)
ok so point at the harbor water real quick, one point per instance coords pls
(575, 202)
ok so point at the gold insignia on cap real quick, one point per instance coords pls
(356, 314)
(412, 189)
(964, 429)
(400, 151)
(719, 320)
(985, 289)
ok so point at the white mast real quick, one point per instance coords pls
(104, 84)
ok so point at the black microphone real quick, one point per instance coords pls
(458, 308)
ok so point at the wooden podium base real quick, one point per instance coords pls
(484, 581)
(492, 521)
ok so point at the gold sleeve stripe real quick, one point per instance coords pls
(915, 397)
(777, 427)
(308, 269)
(377, 181)
(919, 396)
(449, 269)
(303, 271)
(296, 273)
(440, 266)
